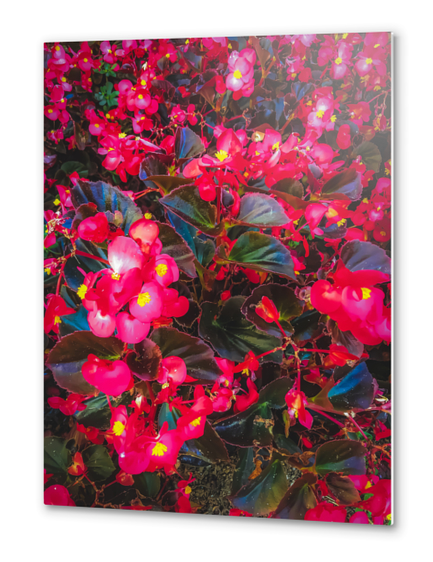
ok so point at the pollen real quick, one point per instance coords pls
(97, 125)
(57, 201)
(140, 96)
(159, 450)
(345, 35)
(276, 146)
(369, 61)
(195, 422)
(148, 216)
(338, 60)
(382, 233)
(342, 222)
(333, 118)
(50, 111)
(57, 320)
(377, 45)
(221, 155)
(246, 372)
(143, 299)
(122, 135)
(85, 60)
(143, 82)
(161, 269)
(118, 428)
(165, 385)
(237, 74)
(115, 276)
(366, 293)
(57, 48)
(320, 113)
(63, 79)
(188, 490)
(82, 290)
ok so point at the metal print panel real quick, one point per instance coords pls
(217, 276)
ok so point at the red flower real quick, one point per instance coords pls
(110, 377)
(296, 402)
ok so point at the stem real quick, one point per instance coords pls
(86, 255)
(326, 416)
(356, 425)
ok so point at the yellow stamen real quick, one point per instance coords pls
(246, 372)
(334, 118)
(320, 113)
(159, 450)
(188, 490)
(82, 290)
(57, 201)
(148, 216)
(366, 293)
(143, 299)
(276, 146)
(237, 74)
(369, 61)
(115, 276)
(118, 428)
(221, 155)
(377, 45)
(338, 60)
(122, 135)
(195, 422)
(165, 385)
(161, 269)
(57, 320)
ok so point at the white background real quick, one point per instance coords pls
(65, 534)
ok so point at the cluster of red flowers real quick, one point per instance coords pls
(217, 273)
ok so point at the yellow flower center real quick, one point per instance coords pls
(50, 111)
(148, 216)
(57, 201)
(63, 79)
(57, 48)
(195, 422)
(276, 146)
(320, 113)
(221, 155)
(377, 45)
(342, 222)
(382, 233)
(165, 385)
(369, 61)
(188, 490)
(237, 74)
(366, 293)
(82, 290)
(96, 125)
(345, 35)
(159, 450)
(334, 118)
(57, 320)
(85, 60)
(143, 299)
(118, 428)
(122, 135)
(161, 269)
(143, 82)
(115, 276)
(140, 96)
(338, 60)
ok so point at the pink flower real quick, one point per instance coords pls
(110, 377)
(57, 495)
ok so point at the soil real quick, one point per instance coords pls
(213, 485)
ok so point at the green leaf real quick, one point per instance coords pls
(343, 489)
(106, 198)
(355, 391)
(198, 356)
(262, 495)
(147, 483)
(343, 456)
(73, 322)
(145, 360)
(274, 393)
(298, 499)
(370, 155)
(75, 278)
(187, 144)
(168, 183)
(262, 253)
(189, 206)
(232, 335)
(175, 246)
(204, 250)
(251, 427)
(244, 468)
(347, 183)
(358, 256)
(288, 305)
(71, 352)
(57, 457)
(98, 462)
(98, 413)
(258, 209)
